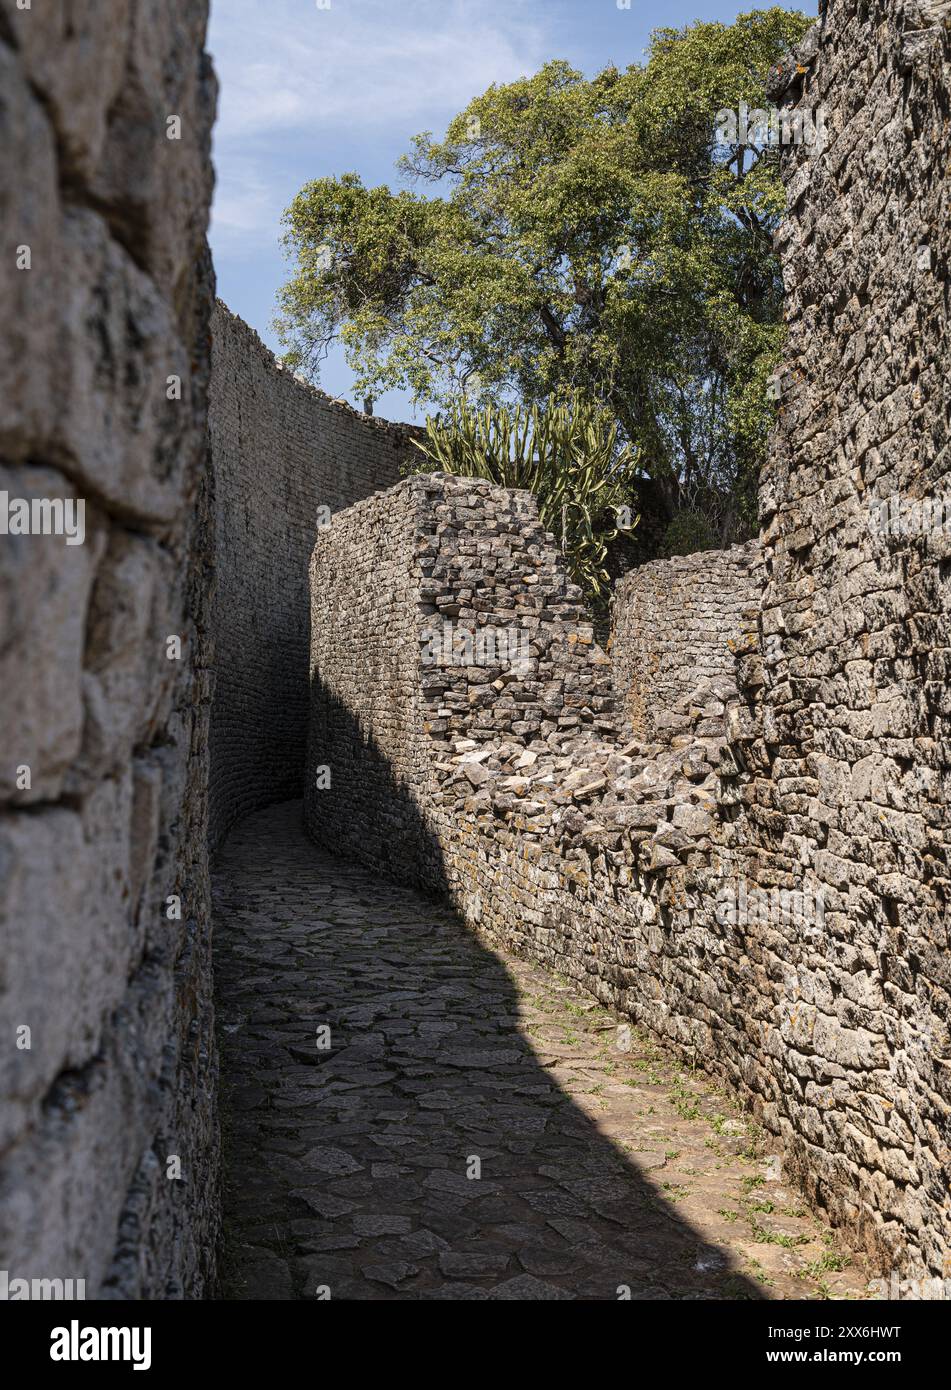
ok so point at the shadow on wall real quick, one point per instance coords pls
(381, 822)
(427, 1067)
(281, 455)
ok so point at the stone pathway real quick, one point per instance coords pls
(347, 1167)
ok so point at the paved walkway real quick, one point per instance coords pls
(349, 1168)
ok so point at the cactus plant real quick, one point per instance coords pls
(564, 451)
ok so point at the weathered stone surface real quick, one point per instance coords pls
(64, 923)
(280, 452)
(120, 1071)
(848, 739)
(106, 312)
(677, 622)
(41, 663)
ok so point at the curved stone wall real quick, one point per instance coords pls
(284, 457)
(675, 622)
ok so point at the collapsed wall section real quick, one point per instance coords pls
(284, 457)
(108, 1140)
(675, 622)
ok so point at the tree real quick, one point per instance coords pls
(576, 234)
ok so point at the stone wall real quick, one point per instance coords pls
(366, 720)
(850, 688)
(106, 1050)
(464, 738)
(198, 527)
(784, 921)
(284, 456)
(461, 711)
(480, 712)
(677, 621)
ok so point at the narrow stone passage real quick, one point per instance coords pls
(347, 1166)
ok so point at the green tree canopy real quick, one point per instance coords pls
(572, 233)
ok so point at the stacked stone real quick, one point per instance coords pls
(107, 1062)
(834, 782)
(283, 456)
(557, 834)
(652, 799)
(850, 754)
(509, 785)
(365, 762)
(828, 777)
(675, 622)
(534, 743)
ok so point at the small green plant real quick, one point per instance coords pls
(757, 1272)
(565, 452)
(764, 1237)
(685, 1103)
(828, 1263)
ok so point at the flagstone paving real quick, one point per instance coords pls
(409, 1114)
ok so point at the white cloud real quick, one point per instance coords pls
(298, 81)
(362, 63)
(243, 201)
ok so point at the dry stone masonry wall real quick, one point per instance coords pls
(849, 768)
(765, 885)
(676, 621)
(365, 721)
(485, 709)
(284, 457)
(106, 1048)
(752, 863)
(196, 530)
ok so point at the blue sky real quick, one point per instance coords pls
(309, 91)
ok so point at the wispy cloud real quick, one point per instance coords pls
(364, 63)
(243, 198)
(301, 86)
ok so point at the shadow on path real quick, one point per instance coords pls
(346, 1167)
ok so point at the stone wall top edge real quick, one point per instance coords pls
(234, 321)
(915, 18)
(745, 554)
(423, 484)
